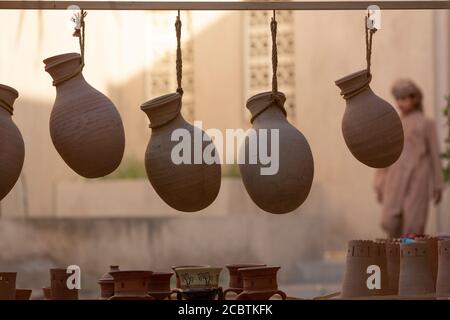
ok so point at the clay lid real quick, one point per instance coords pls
(261, 101)
(353, 82)
(107, 277)
(7, 97)
(163, 109)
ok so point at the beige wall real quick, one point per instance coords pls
(328, 45)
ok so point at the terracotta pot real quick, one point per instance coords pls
(371, 127)
(415, 275)
(393, 265)
(260, 283)
(178, 281)
(12, 148)
(8, 285)
(131, 285)
(58, 286)
(198, 277)
(85, 126)
(159, 285)
(291, 183)
(432, 252)
(106, 283)
(190, 186)
(200, 294)
(360, 255)
(23, 294)
(443, 277)
(236, 283)
(47, 291)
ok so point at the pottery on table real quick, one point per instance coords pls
(415, 275)
(177, 278)
(12, 148)
(198, 277)
(236, 283)
(371, 127)
(85, 126)
(432, 252)
(131, 285)
(106, 283)
(47, 291)
(200, 294)
(23, 294)
(58, 285)
(159, 285)
(259, 283)
(282, 187)
(360, 255)
(443, 276)
(8, 285)
(393, 265)
(186, 184)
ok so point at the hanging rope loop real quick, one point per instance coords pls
(369, 35)
(273, 29)
(179, 60)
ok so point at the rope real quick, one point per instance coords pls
(79, 32)
(179, 61)
(273, 29)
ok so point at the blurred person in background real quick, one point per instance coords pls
(405, 188)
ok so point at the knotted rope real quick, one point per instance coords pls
(79, 32)
(179, 60)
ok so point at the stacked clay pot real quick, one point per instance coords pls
(8, 285)
(159, 285)
(371, 127)
(236, 283)
(286, 189)
(260, 283)
(58, 286)
(443, 276)
(415, 274)
(188, 186)
(85, 126)
(12, 148)
(131, 285)
(106, 283)
(360, 255)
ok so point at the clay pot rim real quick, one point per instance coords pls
(200, 269)
(120, 274)
(8, 273)
(162, 273)
(59, 59)
(267, 268)
(351, 76)
(264, 95)
(10, 89)
(161, 100)
(189, 266)
(245, 265)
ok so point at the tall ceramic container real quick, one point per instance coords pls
(371, 127)
(443, 276)
(189, 185)
(131, 285)
(85, 126)
(12, 148)
(8, 285)
(284, 184)
(58, 285)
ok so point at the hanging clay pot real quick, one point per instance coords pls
(371, 127)
(8, 285)
(12, 148)
(236, 283)
(178, 281)
(159, 285)
(85, 126)
(443, 277)
(106, 283)
(415, 274)
(23, 294)
(285, 186)
(188, 186)
(260, 283)
(131, 285)
(58, 285)
(393, 265)
(432, 253)
(47, 291)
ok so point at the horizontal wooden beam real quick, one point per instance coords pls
(225, 5)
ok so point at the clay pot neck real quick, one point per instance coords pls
(162, 110)
(64, 67)
(354, 84)
(267, 106)
(7, 97)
